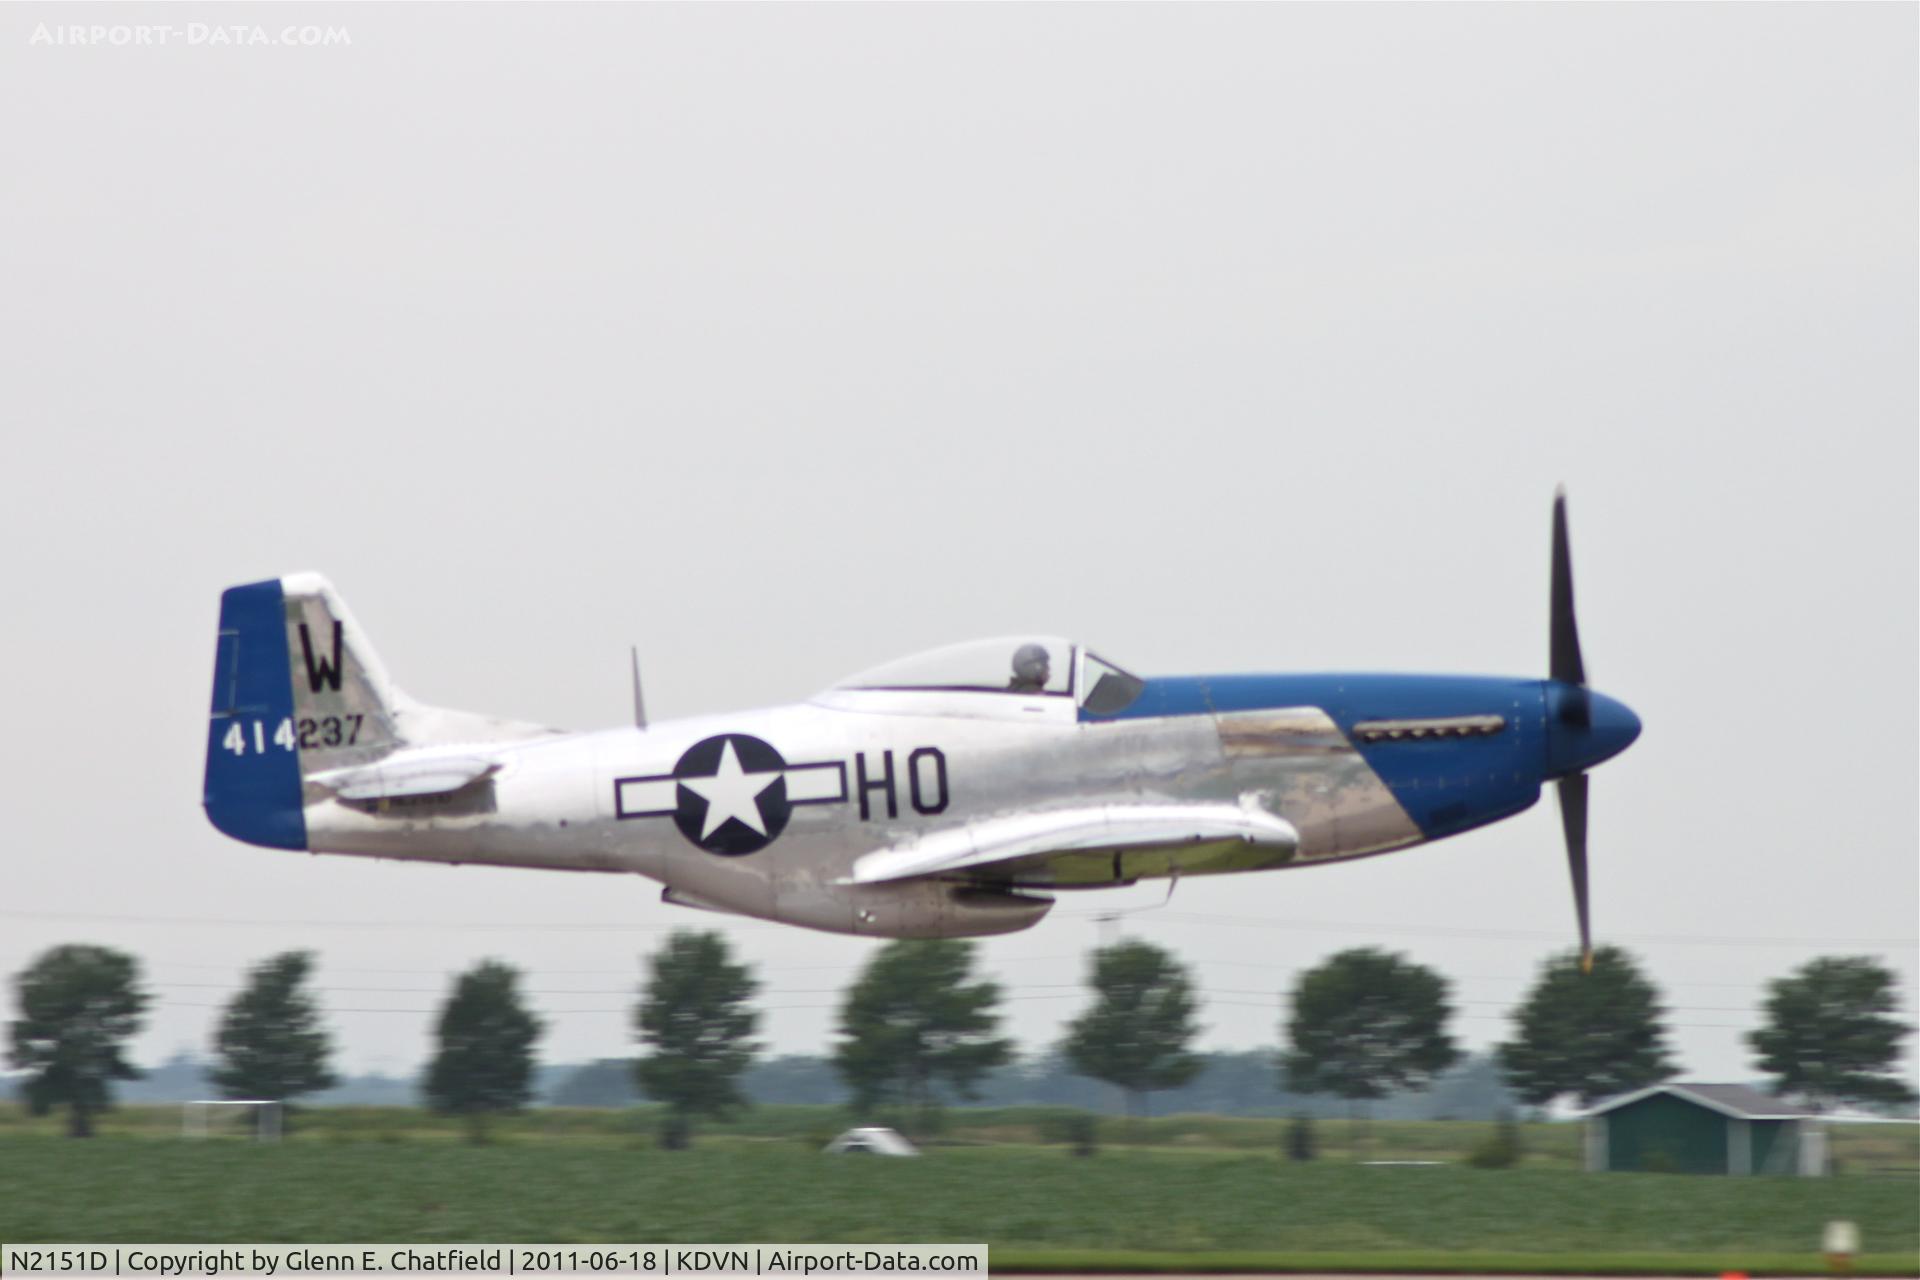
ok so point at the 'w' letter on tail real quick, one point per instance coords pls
(325, 670)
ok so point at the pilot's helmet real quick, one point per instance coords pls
(1031, 664)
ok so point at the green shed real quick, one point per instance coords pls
(1704, 1128)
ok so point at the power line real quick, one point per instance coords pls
(1466, 1017)
(1463, 931)
(464, 926)
(1147, 918)
(1210, 993)
(630, 972)
(1286, 970)
(1213, 997)
(594, 991)
(625, 1009)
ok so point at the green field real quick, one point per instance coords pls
(1858, 1149)
(585, 1177)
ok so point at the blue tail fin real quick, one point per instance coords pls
(300, 700)
(253, 765)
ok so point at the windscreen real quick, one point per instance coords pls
(1108, 689)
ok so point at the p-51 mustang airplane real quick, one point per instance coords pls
(949, 794)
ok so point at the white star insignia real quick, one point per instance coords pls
(731, 793)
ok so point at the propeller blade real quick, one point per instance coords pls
(1565, 663)
(1573, 821)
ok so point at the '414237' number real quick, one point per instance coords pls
(312, 733)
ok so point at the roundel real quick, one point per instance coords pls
(730, 794)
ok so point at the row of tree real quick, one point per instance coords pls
(918, 1027)
(1230, 1082)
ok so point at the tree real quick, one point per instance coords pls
(913, 1019)
(78, 1005)
(1136, 1034)
(1830, 1035)
(1365, 1024)
(270, 1044)
(484, 1064)
(1591, 1035)
(694, 1016)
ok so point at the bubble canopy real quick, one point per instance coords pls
(1038, 666)
(1025, 666)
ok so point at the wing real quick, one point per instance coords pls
(1188, 837)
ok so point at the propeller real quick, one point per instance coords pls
(1573, 708)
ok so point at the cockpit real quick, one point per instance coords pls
(1024, 669)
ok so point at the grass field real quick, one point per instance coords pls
(1858, 1149)
(1029, 1202)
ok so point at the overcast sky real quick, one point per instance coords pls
(783, 341)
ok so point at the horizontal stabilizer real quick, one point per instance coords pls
(1115, 828)
(392, 779)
